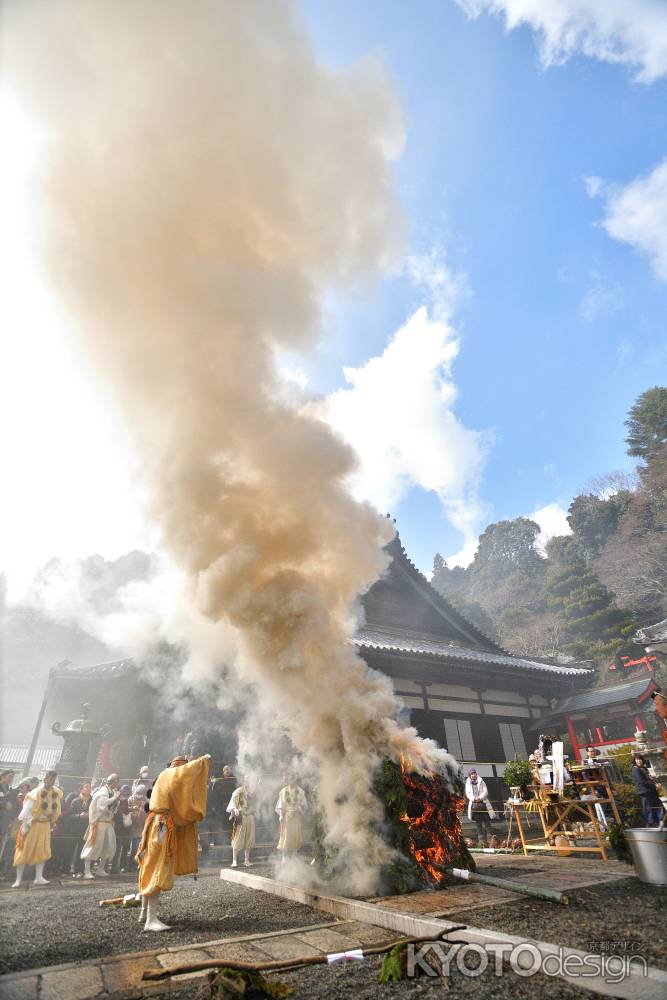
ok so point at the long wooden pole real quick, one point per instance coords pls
(286, 964)
(502, 883)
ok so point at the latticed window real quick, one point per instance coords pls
(513, 742)
(458, 739)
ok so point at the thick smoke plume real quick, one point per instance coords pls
(206, 181)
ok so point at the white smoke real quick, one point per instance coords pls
(206, 180)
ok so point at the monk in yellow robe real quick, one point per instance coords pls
(169, 840)
(41, 809)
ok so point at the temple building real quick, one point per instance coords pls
(612, 716)
(605, 718)
(653, 637)
(457, 686)
(460, 688)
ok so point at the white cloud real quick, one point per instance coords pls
(397, 412)
(624, 351)
(627, 32)
(637, 213)
(594, 185)
(445, 289)
(465, 555)
(552, 520)
(599, 300)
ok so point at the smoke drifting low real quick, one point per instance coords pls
(206, 181)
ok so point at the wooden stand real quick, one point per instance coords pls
(556, 815)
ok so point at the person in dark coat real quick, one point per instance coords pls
(122, 822)
(8, 812)
(647, 791)
(59, 863)
(77, 824)
(221, 792)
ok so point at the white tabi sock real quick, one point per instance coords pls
(152, 921)
(39, 874)
(235, 858)
(19, 876)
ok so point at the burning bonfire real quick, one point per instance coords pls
(422, 824)
(432, 820)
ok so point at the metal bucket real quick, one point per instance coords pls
(649, 853)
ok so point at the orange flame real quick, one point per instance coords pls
(435, 828)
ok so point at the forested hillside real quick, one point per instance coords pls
(586, 594)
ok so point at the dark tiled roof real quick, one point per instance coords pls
(396, 549)
(600, 697)
(652, 633)
(397, 641)
(99, 671)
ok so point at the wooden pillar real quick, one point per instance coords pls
(573, 738)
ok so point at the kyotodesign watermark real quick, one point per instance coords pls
(437, 958)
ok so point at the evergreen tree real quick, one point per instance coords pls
(633, 562)
(594, 520)
(439, 569)
(453, 584)
(593, 627)
(647, 424)
(508, 546)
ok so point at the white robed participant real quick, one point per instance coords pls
(100, 843)
(479, 808)
(241, 808)
(291, 806)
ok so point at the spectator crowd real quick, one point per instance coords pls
(68, 835)
(101, 823)
(124, 804)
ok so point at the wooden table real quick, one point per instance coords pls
(564, 811)
(556, 815)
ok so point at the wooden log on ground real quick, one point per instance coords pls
(553, 895)
(288, 964)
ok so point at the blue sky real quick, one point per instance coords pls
(490, 376)
(562, 326)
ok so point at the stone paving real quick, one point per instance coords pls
(544, 872)
(121, 976)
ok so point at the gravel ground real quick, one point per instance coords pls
(360, 982)
(623, 911)
(65, 924)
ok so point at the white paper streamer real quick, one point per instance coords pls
(461, 872)
(558, 767)
(356, 955)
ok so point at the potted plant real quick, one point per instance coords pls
(518, 774)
